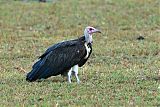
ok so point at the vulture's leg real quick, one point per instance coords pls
(75, 69)
(69, 75)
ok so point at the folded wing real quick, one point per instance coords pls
(57, 59)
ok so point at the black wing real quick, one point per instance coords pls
(57, 59)
(62, 44)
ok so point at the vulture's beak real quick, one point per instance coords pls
(96, 31)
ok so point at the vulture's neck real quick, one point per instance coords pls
(83, 39)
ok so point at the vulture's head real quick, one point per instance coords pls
(88, 33)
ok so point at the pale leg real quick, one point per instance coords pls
(69, 75)
(75, 70)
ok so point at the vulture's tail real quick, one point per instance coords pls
(31, 76)
(39, 71)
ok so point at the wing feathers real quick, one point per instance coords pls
(57, 60)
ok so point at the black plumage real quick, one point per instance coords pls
(59, 58)
(64, 58)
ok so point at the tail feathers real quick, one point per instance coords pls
(37, 63)
(38, 73)
(41, 69)
(31, 76)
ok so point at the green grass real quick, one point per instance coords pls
(122, 71)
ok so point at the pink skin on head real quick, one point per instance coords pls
(88, 33)
(92, 30)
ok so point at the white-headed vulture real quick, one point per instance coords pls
(64, 57)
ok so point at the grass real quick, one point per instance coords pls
(122, 70)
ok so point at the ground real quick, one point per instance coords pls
(122, 70)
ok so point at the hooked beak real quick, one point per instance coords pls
(96, 31)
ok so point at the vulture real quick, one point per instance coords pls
(64, 58)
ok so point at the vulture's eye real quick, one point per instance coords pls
(90, 29)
